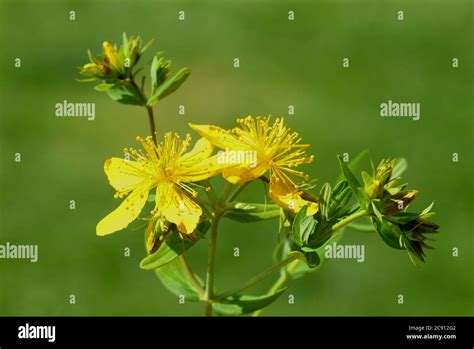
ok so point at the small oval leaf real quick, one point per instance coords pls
(172, 248)
(243, 304)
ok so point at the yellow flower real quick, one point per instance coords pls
(94, 69)
(278, 150)
(166, 167)
(112, 57)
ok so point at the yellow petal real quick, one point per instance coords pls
(218, 136)
(201, 151)
(243, 174)
(286, 195)
(112, 57)
(123, 215)
(177, 207)
(202, 170)
(125, 175)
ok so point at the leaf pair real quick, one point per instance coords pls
(173, 247)
(354, 184)
(161, 84)
(304, 232)
(250, 212)
(333, 201)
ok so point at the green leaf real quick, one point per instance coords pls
(175, 277)
(403, 217)
(159, 70)
(298, 255)
(367, 179)
(172, 248)
(278, 252)
(312, 258)
(325, 200)
(390, 233)
(303, 227)
(339, 201)
(354, 184)
(339, 188)
(243, 304)
(246, 212)
(104, 87)
(354, 163)
(299, 267)
(307, 227)
(426, 212)
(126, 94)
(363, 227)
(146, 46)
(376, 211)
(153, 69)
(401, 165)
(169, 86)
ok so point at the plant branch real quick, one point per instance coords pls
(152, 123)
(191, 274)
(148, 108)
(236, 193)
(348, 220)
(284, 276)
(211, 194)
(225, 192)
(211, 263)
(255, 280)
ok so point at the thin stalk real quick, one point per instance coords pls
(211, 194)
(211, 264)
(236, 193)
(348, 220)
(225, 192)
(255, 280)
(152, 123)
(363, 228)
(148, 108)
(276, 286)
(191, 274)
(284, 275)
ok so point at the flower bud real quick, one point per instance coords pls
(384, 172)
(112, 58)
(400, 201)
(156, 232)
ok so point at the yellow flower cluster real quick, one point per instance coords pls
(116, 63)
(173, 173)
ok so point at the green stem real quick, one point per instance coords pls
(203, 204)
(276, 286)
(348, 220)
(152, 123)
(237, 192)
(284, 275)
(281, 281)
(211, 194)
(363, 228)
(211, 263)
(225, 192)
(255, 280)
(191, 274)
(149, 109)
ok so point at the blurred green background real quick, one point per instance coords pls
(281, 63)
